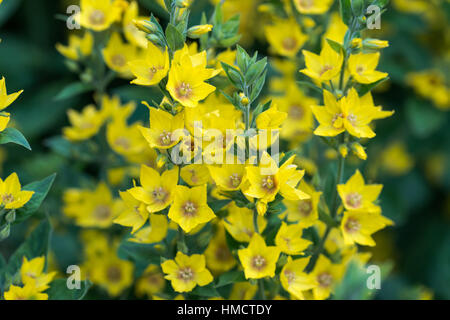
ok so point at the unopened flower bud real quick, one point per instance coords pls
(182, 3)
(161, 161)
(375, 44)
(145, 26)
(10, 216)
(244, 99)
(261, 207)
(356, 43)
(196, 31)
(4, 232)
(343, 150)
(359, 151)
(153, 38)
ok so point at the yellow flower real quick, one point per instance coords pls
(5, 101)
(196, 31)
(243, 291)
(186, 78)
(396, 159)
(189, 208)
(294, 280)
(313, 6)
(327, 276)
(228, 177)
(362, 67)
(305, 212)
(125, 139)
(347, 114)
(111, 273)
(186, 272)
(267, 180)
(195, 174)
(258, 259)
(11, 195)
(356, 195)
(289, 239)
(325, 66)
(431, 84)
(218, 256)
(358, 226)
(132, 33)
(32, 272)
(239, 223)
(98, 15)
(271, 118)
(156, 232)
(153, 68)
(135, 213)
(151, 282)
(27, 292)
(157, 190)
(78, 48)
(285, 37)
(84, 124)
(117, 54)
(92, 208)
(165, 129)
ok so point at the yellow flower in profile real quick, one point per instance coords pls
(325, 66)
(157, 191)
(356, 195)
(92, 208)
(98, 15)
(150, 282)
(196, 31)
(117, 54)
(186, 272)
(187, 78)
(11, 194)
(84, 124)
(111, 273)
(27, 292)
(32, 271)
(165, 129)
(285, 37)
(336, 29)
(313, 6)
(258, 259)
(243, 291)
(294, 280)
(239, 223)
(132, 33)
(195, 174)
(218, 256)
(327, 276)
(189, 208)
(155, 232)
(271, 118)
(228, 177)
(267, 180)
(78, 48)
(135, 213)
(289, 239)
(362, 67)
(6, 100)
(305, 211)
(358, 226)
(153, 68)
(346, 114)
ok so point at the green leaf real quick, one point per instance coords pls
(175, 38)
(168, 4)
(345, 8)
(242, 58)
(218, 205)
(255, 70)
(11, 135)
(234, 75)
(310, 85)
(258, 86)
(208, 291)
(59, 291)
(72, 90)
(36, 245)
(336, 46)
(365, 88)
(9, 7)
(229, 278)
(40, 189)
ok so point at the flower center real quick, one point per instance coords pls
(186, 274)
(189, 209)
(97, 17)
(152, 72)
(290, 276)
(114, 274)
(325, 279)
(268, 183)
(360, 69)
(352, 118)
(306, 4)
(352, 225)
(354, 200)
(102, 212)
(118, 60)
(184, 90)
(289, 43)
(258, 262)
(305, 207)
(122, 142)
(324, 69)
(165, 138)
(223, 254)
(337, 120)
(296, 112)
(159, 194)
(235, 180)
(7, 198)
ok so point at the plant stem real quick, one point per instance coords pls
(262, 293)
(255, 221)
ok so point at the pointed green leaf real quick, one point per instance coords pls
(11, 135)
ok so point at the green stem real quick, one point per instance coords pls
(262, 293)
(255, 221)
